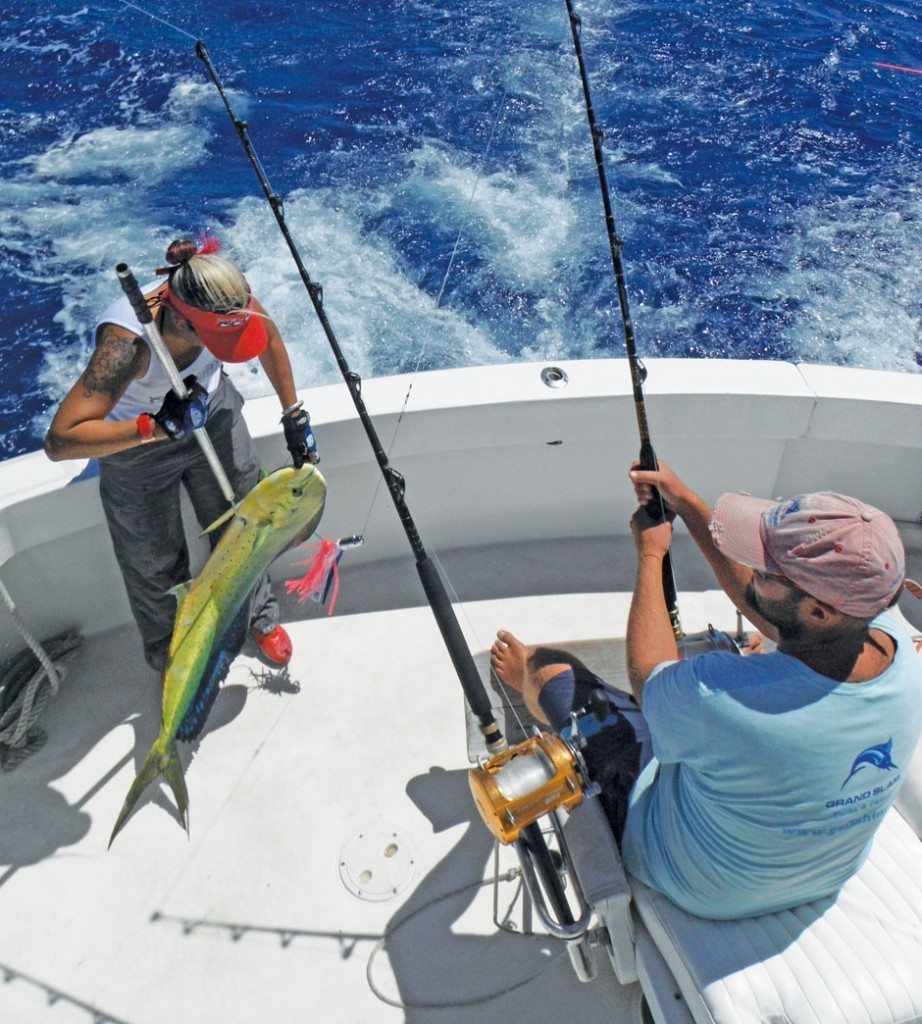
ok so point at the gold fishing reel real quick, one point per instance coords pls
(520, 785)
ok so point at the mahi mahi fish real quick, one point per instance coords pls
(279, 512)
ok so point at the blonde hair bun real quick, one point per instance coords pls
(204, 280)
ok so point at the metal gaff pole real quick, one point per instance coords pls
(655, 508)
(154, 339)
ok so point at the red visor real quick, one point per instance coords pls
(232, 337)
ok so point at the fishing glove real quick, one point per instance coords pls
(180, 416)
(299, 437)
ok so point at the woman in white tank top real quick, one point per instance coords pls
(121, 411)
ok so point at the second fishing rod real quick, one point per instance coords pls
(647, 458)
(435, 590)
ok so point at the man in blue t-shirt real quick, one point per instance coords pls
(769, 774)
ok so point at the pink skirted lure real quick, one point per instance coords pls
(321, 581)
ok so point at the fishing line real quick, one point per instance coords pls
(438, 301)
(453, 594)
(432, 583)
(897, 67)
(176, 28)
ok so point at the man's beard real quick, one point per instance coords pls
(781, 614)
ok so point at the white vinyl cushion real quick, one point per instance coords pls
(855, 958)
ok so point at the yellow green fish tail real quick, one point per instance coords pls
(158, 762)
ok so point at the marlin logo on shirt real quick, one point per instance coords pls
(878, 757)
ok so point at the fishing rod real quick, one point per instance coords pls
(655, 508)
(436, 594)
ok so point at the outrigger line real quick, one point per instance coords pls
(655, 508)
(897, 67)
(434, 587)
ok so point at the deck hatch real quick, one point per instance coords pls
(377, 864)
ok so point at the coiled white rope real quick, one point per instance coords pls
(18, 738)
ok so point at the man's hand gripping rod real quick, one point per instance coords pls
(154, 339)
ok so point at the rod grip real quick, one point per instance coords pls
(654, 507)
(131, 289)
(656, 510)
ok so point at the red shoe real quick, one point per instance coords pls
(274, 646)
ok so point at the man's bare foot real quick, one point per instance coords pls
(507, 658)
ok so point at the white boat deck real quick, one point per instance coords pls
(249, 918)
(362, 746)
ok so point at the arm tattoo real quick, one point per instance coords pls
(113, 365)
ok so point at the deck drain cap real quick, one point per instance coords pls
(377, 864)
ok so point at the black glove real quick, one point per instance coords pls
(180, 416)
(299, 437)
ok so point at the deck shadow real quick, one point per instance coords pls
(107, 685)
(493, 571)
(443, 974)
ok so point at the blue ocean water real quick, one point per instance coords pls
(766, 175)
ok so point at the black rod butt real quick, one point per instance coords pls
(131, 289)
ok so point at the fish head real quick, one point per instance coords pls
(290, 501)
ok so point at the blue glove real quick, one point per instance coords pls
(299, 437)
(180, 416)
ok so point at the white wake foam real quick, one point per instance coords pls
(845, 270)
(381, 318)
(88, 202)
(853, 269)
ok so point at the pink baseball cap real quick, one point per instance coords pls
(838, 549)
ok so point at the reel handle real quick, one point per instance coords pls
(598, 705)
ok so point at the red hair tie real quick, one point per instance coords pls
(208, 244)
